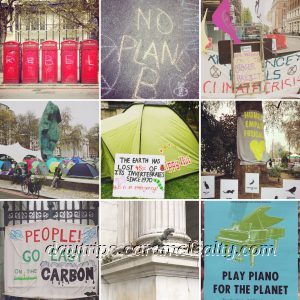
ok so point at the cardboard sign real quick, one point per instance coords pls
(207, 187)
(251, 147)
(291, 188)
(229, 189)
(252, 183)
(246, 48)
(139, 175)
(41, 260)
(272, 193)
(241, 259)
(247, 68)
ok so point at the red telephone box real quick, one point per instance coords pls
(69, 61)
(30, 62)
(89, 61)
(11, 62)
(49, 62)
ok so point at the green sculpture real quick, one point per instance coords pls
(48, 130)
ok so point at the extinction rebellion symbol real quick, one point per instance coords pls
(292, 70)
(215, 72)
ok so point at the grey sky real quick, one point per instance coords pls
(83, 112)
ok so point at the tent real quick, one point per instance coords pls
(5, 165)
(50, 161)
(66, 165)
(77, 160)
(53, 166)
(147, 128)
(30, 163)
(83, 170)
(40, 168)
(17, 152)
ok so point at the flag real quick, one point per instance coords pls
(221, 18)
(204, 39)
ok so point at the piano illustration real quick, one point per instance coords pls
(252, 232)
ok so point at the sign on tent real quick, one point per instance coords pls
(139, 175)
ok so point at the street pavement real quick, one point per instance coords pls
(48, 192)
(40, 91)
(6, 194)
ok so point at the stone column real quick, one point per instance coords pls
(127, 223)
(156, 216)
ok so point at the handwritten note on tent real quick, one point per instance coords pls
(31, 271)
(139, 175)
(247, 68)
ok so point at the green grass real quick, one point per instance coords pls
(186, 187)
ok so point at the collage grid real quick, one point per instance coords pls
(192, 107)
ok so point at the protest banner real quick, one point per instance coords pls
(251, 148)
(51, 259)
(281, 74)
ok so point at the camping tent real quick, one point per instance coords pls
(65, 165)
(6, 165)
(39, 167)
(76, 160)
(146, 128)
(53, 166)
(83, 170)
(17, 152)
(50, 161)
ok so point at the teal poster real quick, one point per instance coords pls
(250, 250)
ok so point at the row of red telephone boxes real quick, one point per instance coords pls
(21, 62)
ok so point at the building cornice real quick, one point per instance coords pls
(134, 267)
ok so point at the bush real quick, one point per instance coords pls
(275, 172)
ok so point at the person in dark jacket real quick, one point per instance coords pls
(56, 177)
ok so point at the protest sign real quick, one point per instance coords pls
(250, 250)
(272, 193)
(251, 147)
(247, 68)
(42, 260)
(291, 188)
(207, 187)
(252, 183)
(229, 189)
(139, 175)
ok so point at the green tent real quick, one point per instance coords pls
(147, 128)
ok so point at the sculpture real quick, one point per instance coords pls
(48, 130)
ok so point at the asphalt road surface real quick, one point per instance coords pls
(53, 93)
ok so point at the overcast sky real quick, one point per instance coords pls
(83, 112)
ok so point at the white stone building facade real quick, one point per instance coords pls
(151, 276)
